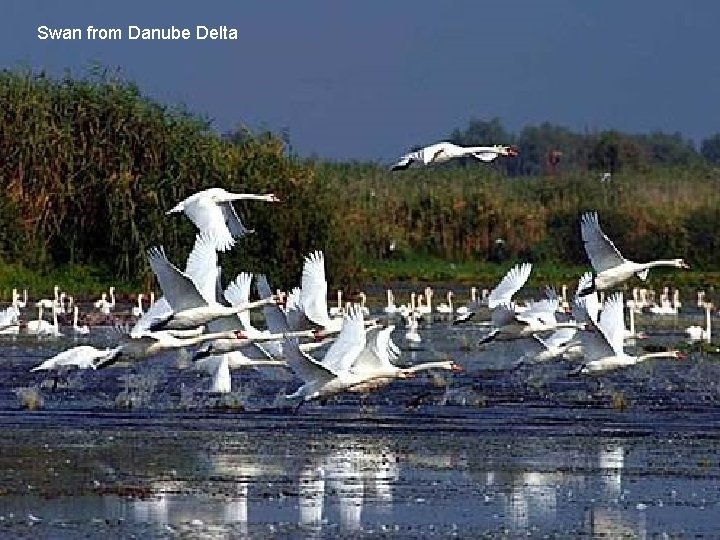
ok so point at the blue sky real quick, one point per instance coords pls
(367, 80)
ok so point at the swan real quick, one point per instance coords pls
(390, 308)
(335, 373)
(102, 304)
(501, 295)
(137, 311)
(41, 327)
(81, 357)
(47, 303)
(16, 298)
(446, 309)
(336, 311)
(509, 323)
(465, 312)
(79, 330)
(610, 266)
(603, 347)
(445, 151)
(189, 307)
(212, 212)
(698, 333)
(412, 334)
(363, 307)
(313, 292)
(10, 320)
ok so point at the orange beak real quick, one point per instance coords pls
(512, 151)
(681, 355)
(456, 368)
(239, 334)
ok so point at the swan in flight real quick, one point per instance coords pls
(335, 373)
(510, 323)
(501, 295)
(603, 345)
(610, 266)
(445, 151)
(190, 308)
(81, 357)
(212, 212)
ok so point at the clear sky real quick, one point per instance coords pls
(368, 79)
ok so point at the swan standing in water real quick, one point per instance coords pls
(137, 311)
(213, 214)
(603, 347)
(445, 151)
(698, 333)
(610, 266)
(79, 330)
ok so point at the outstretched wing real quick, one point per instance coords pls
(313, 289)
(487, 157)
(349, 343)
(238, 293)
(202, 267)
(179, 289)
(509, 285)
(600, 250)
(612, 322)
(232, 220)
(304, 365)
(274, 317)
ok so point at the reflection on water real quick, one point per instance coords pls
(325, 485)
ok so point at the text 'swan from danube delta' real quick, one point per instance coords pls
(132, 32)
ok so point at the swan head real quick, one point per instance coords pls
(507, 150)
(680, 263)
(271, 197)
(679, 355)
(456, 368)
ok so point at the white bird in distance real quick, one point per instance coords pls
(445, 151)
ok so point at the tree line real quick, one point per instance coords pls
(89, 165)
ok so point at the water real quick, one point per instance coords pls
(145, 451)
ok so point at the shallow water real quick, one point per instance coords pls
(144, 450)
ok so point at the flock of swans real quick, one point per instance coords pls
(340, 349)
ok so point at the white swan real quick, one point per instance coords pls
(445, 151)
(411, 323)
(212, 213)
(446, 308)
(313, 292)
(137, 310)
(10, 320)
(79, 330)
(220, 367)
(81, 357)
(603, 347)
(189, 308)
(610, 266)
(336, 311)
(47, 303)
(41, 327)
(335, 374)
(698, 333)
(390, 308)
(16, 298)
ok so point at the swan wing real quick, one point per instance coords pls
(209, 218)
(313, 289)
(349, 343)
(304, 365)
(232, 220)
(275, 319)
(591, 301)
(179, 289)
(157, 313)
(403, 163)
(502, 315)
(612, 322)
(297, 320)
(509, 285)
(372, 358)
(238, 293)
(202, 267)
(600, 250)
